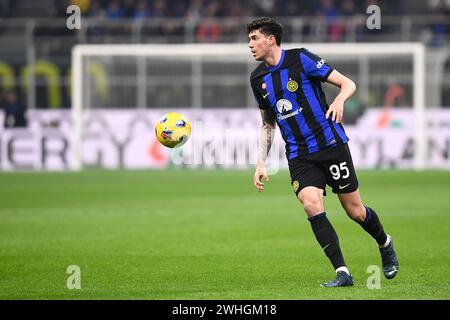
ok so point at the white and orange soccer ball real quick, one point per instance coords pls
(173, 130)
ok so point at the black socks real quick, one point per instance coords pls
(327, 238)
(329, 241)
(373, 226)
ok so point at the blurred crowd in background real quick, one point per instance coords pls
(138, 9)
(141, 9)
(334, 12)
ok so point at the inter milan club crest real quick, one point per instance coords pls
(263, 86)
(292, 85)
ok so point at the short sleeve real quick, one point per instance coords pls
(314, 66)
(259, 99)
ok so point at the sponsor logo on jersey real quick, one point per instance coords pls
(292, 114)
(284, 105)
(320, 63)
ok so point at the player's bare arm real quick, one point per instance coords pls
(348, 87)
(267, 133)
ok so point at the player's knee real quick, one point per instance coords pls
(312, 205)
(311, 198)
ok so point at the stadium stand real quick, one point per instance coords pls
(34, 33)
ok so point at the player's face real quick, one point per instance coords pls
(259, 44)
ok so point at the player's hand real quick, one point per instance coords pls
(259, 174)
(336, 110)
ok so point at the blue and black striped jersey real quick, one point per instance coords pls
(292, 90)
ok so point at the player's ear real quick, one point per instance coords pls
(271, 38)
(270, 42)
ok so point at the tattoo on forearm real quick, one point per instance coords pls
(266, 136)
(266, 139)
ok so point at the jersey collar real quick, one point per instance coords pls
(271, 69)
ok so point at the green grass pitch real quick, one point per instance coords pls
(192, 234)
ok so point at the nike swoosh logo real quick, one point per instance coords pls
(265, 96)
(326, 246)
(342, 187)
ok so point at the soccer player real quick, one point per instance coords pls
(287, 87)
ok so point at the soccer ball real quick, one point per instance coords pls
(173, 130)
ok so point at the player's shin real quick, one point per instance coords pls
(372, 226)
(328, 240)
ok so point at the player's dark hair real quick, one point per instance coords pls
(268, 27)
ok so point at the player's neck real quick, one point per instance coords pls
(273, 59)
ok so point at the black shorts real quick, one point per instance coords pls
(332, 166)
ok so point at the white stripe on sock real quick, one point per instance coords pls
(388, 241)
(343, 269)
